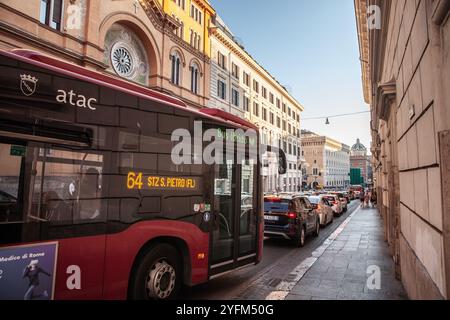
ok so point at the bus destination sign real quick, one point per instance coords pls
(139, 181)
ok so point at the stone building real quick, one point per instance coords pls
(327, 162)
(242, 87)
(161, 44)
(405, 60)
(360, 160)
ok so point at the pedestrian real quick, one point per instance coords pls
(367, 199)
(361, 198)
(373, 198)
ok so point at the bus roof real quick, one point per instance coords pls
(63, 67)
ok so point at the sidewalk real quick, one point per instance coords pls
(341, 272)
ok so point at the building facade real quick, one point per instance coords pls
(327, 162)
(360, 160)
(161, 44)
(240, 86)
(406, 81)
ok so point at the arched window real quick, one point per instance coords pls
(125, 54)
(176, 64)
(195, 77)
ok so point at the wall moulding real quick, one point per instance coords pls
(386, 96)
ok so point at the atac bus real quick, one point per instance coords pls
(92, 205)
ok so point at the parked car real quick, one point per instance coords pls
(290, 218)
(323, 209)
(335, 204)
(343, 199)
(347, 197)
(351, 195)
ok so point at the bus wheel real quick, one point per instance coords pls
(158, 275)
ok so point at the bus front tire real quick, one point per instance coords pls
(158, 274)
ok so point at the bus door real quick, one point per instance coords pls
(235, 213)
(248, 204)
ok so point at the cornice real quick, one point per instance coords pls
(205, 6)
(386, 95)
(244, 56)
(167, 25)
(50, 47)
(364, 47)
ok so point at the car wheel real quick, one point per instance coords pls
(317, 231)
(157, 275)
(301, 239)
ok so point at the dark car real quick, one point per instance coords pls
(347, 196)
(8, 207)
(290, 218)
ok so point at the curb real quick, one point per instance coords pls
(285, 287)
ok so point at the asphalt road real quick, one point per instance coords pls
(255, 282)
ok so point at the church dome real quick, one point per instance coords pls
(358, 146)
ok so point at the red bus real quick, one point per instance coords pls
(91, 205)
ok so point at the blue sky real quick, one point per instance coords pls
(311, 46)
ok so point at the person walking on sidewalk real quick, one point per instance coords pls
(362, 197)
(367, 198)
(373, 199)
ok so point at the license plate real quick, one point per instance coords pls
(271, 218)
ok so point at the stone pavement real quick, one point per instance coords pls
(341, 273)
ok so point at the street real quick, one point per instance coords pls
(257, 282)
(157, 150)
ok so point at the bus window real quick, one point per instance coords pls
(67, 186)
(11, 158)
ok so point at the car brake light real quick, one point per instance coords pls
(292, 215)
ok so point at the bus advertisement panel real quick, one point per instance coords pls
(28, 272)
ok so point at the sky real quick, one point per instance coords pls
(311, 47)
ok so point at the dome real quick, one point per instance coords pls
(358, 146)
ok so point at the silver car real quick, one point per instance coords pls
(335, 203)
(323, 209)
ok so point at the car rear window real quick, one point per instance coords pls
(314, 200)
(276, 206)
(330, 199)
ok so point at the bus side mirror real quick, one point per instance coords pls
(282, 160)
